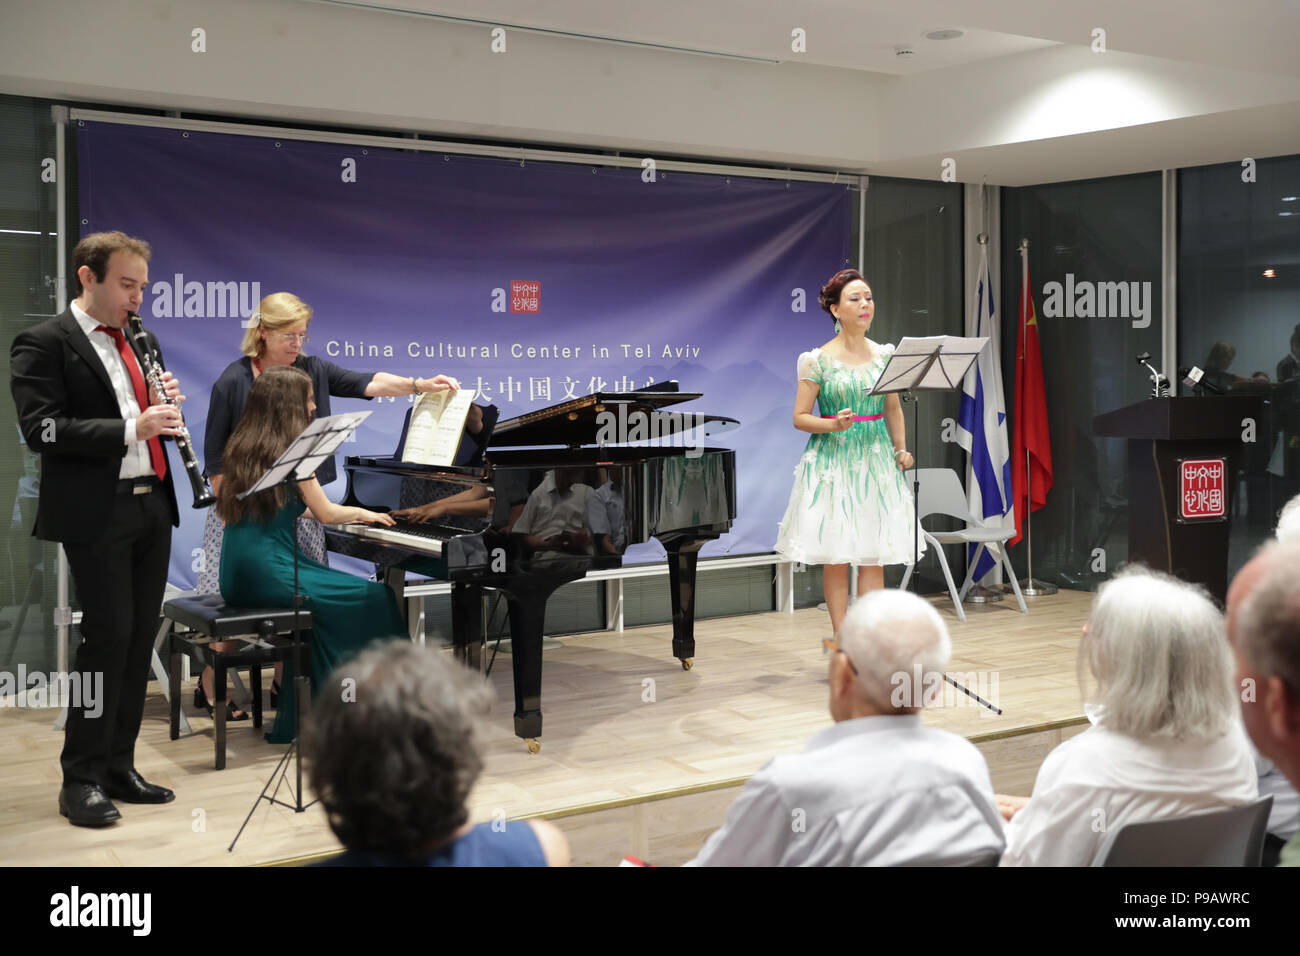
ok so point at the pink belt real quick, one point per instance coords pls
(860, 418)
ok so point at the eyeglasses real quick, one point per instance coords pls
(833, 646)
(299, 337)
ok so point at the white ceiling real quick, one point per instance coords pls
(1019, 98)
(1257, 35)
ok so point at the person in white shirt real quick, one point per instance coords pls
(1264, 631)
(1166, 740)
(877, 788)
(554, 521)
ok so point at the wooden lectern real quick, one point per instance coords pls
(1183, 456)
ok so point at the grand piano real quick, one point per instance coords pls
(535, 502)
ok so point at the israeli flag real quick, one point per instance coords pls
(982, 421)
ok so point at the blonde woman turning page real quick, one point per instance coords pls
(850, 503)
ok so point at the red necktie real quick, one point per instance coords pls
(156, 456)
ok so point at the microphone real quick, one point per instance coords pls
(1194, 378)
(1160, 384)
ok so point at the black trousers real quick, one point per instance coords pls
(120, 579)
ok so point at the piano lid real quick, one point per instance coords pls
(578, 421)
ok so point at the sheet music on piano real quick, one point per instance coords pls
(437, 424)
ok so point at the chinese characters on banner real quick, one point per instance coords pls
(538, 388)
(525, 296)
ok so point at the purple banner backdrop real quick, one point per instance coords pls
(419, 263)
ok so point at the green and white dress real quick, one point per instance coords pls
(850, 502)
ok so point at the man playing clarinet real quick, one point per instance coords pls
(105, 494)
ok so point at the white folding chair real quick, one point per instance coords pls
(941, 493)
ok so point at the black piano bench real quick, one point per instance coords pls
(265, 636)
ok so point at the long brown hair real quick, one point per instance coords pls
(274, 415)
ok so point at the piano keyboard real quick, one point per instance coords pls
(417, 537)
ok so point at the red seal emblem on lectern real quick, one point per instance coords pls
(1202, 488)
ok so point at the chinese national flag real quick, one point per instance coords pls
(1029, 422)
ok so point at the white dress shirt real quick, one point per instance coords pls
(135, 463)
(873, 791)
(1284, 818)
(605, 514)
(550, 512)
(1102, 779)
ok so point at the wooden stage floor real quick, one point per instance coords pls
(637, 755)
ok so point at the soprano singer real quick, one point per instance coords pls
(850, 502)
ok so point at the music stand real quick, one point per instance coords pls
(298, 463)
(932, 363)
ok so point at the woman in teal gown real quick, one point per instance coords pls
(257, 552)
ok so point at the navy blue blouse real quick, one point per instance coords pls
(512, 844)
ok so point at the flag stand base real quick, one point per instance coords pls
(1032, 587)
(979, 594)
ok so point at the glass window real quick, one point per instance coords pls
(1239, 321)
(1083, 236)
(913, 263)
(28, 267)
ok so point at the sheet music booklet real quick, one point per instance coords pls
(437, 424)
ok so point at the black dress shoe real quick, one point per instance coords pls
(130, 787)
(87, 805)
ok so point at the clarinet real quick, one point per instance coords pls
(203, 496)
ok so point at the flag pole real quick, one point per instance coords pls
(1029, 587)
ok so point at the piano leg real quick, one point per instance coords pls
(467, 625)
(683, 557)
(527, 599)
(395, 579)
(527, 619)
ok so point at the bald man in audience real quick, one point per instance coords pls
(877, 788)
(1264, 630)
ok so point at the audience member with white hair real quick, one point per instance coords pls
(1264, 631)
(1165, 741)
(1288, 522)
(877, 788)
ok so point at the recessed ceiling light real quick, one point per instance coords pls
(1288, 198)
(943, 34)
(1269, 274)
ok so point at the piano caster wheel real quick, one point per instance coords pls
(688, 663)
(534, 745)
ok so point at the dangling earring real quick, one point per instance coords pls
(837, 326)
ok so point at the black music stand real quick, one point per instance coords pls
(298, 463)
(933, 363)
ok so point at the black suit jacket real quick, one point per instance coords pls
(68, 414)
